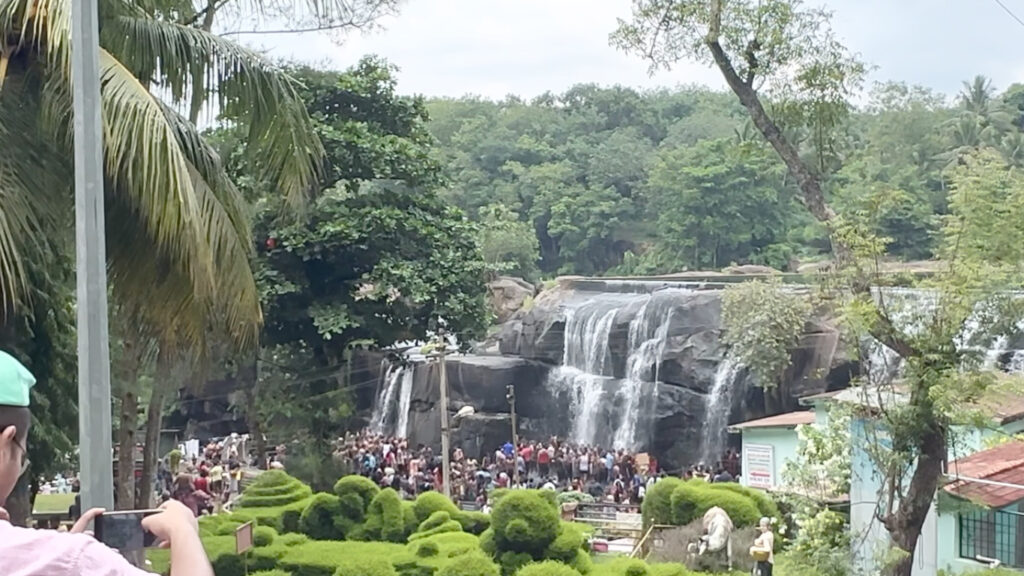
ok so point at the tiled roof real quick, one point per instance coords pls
(787, 420)
(1004, 464)
(814, 398)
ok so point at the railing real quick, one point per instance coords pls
(610, 519)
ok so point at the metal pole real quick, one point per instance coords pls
(446, 470)
(511, 395)
(94, 425)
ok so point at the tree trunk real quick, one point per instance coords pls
(904, 524)
(150, 455)
(126, 450)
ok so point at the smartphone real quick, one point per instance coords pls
(122, 530)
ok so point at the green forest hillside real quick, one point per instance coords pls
(615, 181)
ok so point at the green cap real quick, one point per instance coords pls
(15, 382)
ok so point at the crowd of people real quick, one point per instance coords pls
(617, 475)
(202, 482)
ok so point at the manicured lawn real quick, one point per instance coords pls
(53, 503)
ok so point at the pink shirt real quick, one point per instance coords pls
(28, 552)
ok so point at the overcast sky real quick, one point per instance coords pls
(526, 47)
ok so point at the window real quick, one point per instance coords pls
(993, 534)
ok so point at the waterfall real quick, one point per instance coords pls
(404, 402)
(382, 408)
(647, 336)
(606, 408)
(585, 366)
(717, 409)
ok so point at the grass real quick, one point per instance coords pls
(53, 503)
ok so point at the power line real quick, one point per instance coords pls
(1010, 12)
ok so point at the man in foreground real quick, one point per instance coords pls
(29, 552)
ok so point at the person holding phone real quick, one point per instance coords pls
(30, 552)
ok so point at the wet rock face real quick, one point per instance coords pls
(611, 365)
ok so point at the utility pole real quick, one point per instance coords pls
(510, 395)
(94, 426)
(446, 468)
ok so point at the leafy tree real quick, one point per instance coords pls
(716, 203)
(507, 244)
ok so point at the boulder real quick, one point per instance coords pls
(751, 269)
(508, 295)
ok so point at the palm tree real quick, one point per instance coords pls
(178, 237)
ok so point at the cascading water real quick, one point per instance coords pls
(587, 375)
(404, 403)
(717, 409)
(382, 408)
(390, 413)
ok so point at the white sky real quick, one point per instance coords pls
(526, 47)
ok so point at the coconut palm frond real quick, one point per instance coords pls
(241, 82)
(43, 25)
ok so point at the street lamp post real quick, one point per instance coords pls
(94, 425)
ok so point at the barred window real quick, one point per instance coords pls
(993, 534)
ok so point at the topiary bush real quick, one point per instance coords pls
(274, 488)
(511, 562)
(684, 503)
(429, 502)
(427, 549)
(474, 522)
(569, 541)
(471, 564)
(524, 522)
(271, 573)
(263, 536)
(547, 568)
(657, 506)
(358, 486)
(291, 539)
(226, 528)
(365, 567)
(435, 520)
(448, 526)
(319, 519)
(765, 505)
(741, 510)
(385, 519)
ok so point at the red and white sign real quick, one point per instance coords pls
(759, 465)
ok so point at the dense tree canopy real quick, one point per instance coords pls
(613, 180)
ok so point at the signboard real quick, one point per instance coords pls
(243, 538)
(759, 465)
(643, 462)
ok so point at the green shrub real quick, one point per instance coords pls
(385, 520)
(450, 544)
(487, 543)
(319, 519)
(449, 526)
(670, 569)
(271, 573)
(427, 549)
(274, 488)
(547, 568)
(526, 522)
(563, 548)
(510, 562)
(284, 519)
(226, 529)
(582, 562)
(657, 506)
(359, 486)
(435, 520)
(429, 502)
(321, 558)
(471, 564)
(409, 517)
(765, 505)
(564, 497)
(263, 536)
(691, 500)
(365, 567)
(474, 522)
(292, 539)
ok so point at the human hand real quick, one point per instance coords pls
(83, 522)
(4, 515)
(174, 520)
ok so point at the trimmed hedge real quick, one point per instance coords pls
(524, 522)
(263, 536)
(765, 505)
(271, 573)
(385, 520)
(319, 519)
(547, 568)
(691, 500)
(564, 547)
(623, 566)
(657, 506)
(436, 519)
(473, 522)
(471, 564)
(430, 502)
(358, 486)
(449, 526)
(292, 539)
(365, 567)
(274, 488)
